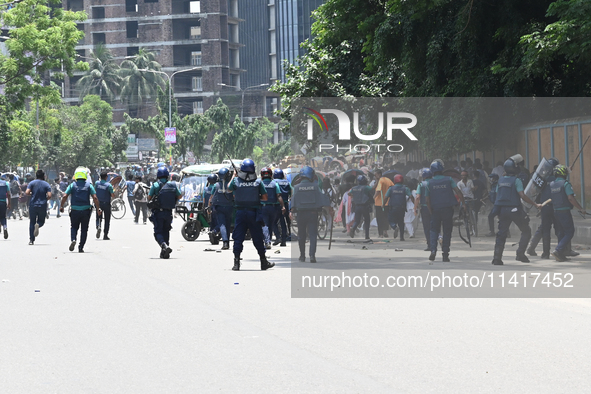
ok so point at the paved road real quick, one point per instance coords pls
(117, 319)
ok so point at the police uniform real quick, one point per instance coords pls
(307, 201)
(168, 193)
(80, 192)
(494, 211)
(510, 211)
(223, 208)
(440, 190)
(396, 197)
(560, 189)
(247, 199)
(207, 193)
(104, 190)
(271, 210)
(544, 229)
(283, 218)
(4, 189)
(362, 199)
(425, 213)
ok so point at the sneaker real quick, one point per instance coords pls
(282, 244)
(559, 256)
(312, 259)
(497, 262)
(395, 233)
(572, 253)
(98, 232)
(268, 246)
(5, 233)
(36, 232)
(277, 242)
(106, 238)
(531, 252)
(80, 250)
(522, 257)
(31, 242)
(58, 216)
(546, 256)
(302, 259)
(72, 246)
(432, 256)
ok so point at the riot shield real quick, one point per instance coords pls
(537, 181)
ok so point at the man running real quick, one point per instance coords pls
(40, 192)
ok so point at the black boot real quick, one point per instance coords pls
(236, 266)
(265, 264)
(165, 250)
(531, 251)
(432, 256)
(497, 256)
(445, 257)
(522, 257)
(226, 245)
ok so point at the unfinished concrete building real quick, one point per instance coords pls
(184, 34)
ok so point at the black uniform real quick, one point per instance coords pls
(307, 201)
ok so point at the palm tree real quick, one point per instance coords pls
(102, 78)
(139, 82)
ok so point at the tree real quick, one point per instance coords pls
(102, 79)
(42, 38)
(277, 152)
(140, 81)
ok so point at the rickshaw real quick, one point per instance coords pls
(191, 208)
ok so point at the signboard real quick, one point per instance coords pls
(147, 144)
(131, 139)
(170, 135)
(132, 152)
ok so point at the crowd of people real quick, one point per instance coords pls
(241, 202)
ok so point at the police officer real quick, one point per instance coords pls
(547, 214)
(222, 203)
(441, 202)
(306, 202)
(362, 196)
(167, 194)
(207, 193)
(426, 174)
(563, 199)
(286, 193)
(4, 205)
(104, 193)
(492, 197)
(509, 191)
(272, 207)
(248, 194)
(396, 197)
(80, 192)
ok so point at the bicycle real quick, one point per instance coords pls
(118, 208)
(324, 223)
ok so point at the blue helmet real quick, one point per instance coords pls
(247, 166)
(553, 161)
(278, 174)
(162, 173)
(212, 178)
(510, 167)
(223, 173)
(308, 172)
(426, 174)
(361, 180)
(436, 166)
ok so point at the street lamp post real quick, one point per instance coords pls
(243, 91)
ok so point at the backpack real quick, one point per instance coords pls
(140, 193)
(15, 189)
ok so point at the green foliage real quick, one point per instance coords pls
(278, 151)
(444, 48)
(103, 77)
(140, 80)
(43, 37)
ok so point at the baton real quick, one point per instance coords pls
(548, 201)
(581, 151)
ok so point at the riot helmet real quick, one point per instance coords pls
(561, 171)
(510, 167)
(307, 172)
(361, 180)
(426, 173)
(162, 173)
(266, 173)
(278, 174)
(247, 166)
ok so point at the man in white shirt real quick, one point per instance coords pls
(466, 186)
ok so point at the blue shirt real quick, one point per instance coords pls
(80, 207)
(130, 187)
(568, 189)
(39, 190)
